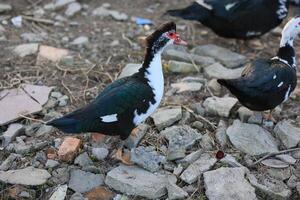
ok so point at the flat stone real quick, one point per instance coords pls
(32, 37)
(133, 140)
(214, 87)
(51, 53)
(68, 149)
(130, 69)
(196, 169)
(51, 163)
(135, 181)
(77, 196)
(166, 116)
(220, 135)
(230, 161)
(191, 158)
(280, 174)
(218, 71)
(228, 184)
(11, 133)
(81, 181)
(207, 142)
(183, 56)
(186, 86)
(147, 158)
(39, 93)
(288, 134)
(23, 50)
(225, 56)
(272, 188)
(44, 130)
(274, 163)
(100, 153)
(80, 40)
(60, 193)
(5, 7)
(286, 158)
(8, 162)
(61, 3)
(219, 106)
(181, 67)
(104, 12)
(180, 138)
(175, 192)
(27, 176)
(251, 138)
(83, 160)
(73, 8)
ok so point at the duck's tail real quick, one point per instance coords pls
(67, 125)
(192, 12)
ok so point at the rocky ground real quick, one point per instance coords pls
(201, 143)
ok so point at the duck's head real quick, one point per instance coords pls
(290, 31)
(164, 36)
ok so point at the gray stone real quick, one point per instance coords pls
(11, 133)
(186, 86)
(251, 139)
(81, 181)
(298, 188)
(292, 182)
(183, 56)
(166, 116)
(286, 158)
(44, 130)
(147, 158)
(60, 175)
(244, 113)
(219, 106)
(8, 162)
(192, 157)
(133, 140)
(61, 3)
(51, 163)
(73, 8)
(196, 169)
(175, 192)
(81, 40)
(77, 196)
(23, 50)
(181, 67)
(228, 184)
(119, 16)
(100, 153)
(198, 125)
(27, 176)
(207, 142)
(225, 56)
(104, 12)
(279, 174)
(220, 135)
(135, 181)
(177, 170)
(180, 138)
(130, 69)
(218, 71)
(5, 7)
(198, 109)
(215, 87)
(59, 193)
(24, 194)
(32, 37)
(274, 163)
(272, 188)
(83, 160)
(256, 118)
(231, 161)
(288, 134)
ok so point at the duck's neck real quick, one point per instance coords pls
(152, 63)
(286, 52)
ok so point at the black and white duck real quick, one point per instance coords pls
(126, 102)
(239, 19)
(266, 83)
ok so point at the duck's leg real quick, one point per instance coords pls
(124, 158)
(268, 116)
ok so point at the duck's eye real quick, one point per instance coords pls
(171, 34)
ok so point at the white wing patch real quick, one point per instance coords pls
(109, 118)
(205, 5)
(230, 5)
(280, 84)
(274, 77)
(287, 94)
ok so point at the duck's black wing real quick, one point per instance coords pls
(263, 85)
(113, 109)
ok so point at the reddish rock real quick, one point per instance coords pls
(51, 154)
(98, 137)
(68, 149)
(99, 193)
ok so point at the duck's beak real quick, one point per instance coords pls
(179, 41)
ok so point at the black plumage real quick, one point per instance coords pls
(240, 19)
(266, 83)
(124, 103)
